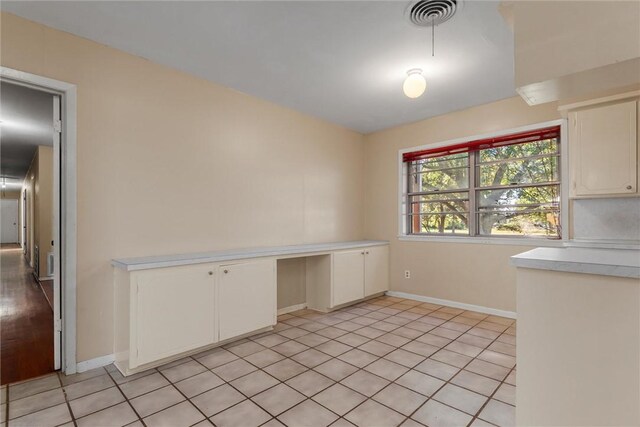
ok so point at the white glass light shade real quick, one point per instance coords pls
(415, 84)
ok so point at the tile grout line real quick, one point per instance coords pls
(64, 393)
(451, 340)
(429, 357)
(74, 418)
(426, 358)
(307, 369)
(241, 392)
(183, 395)
(6, 416)
(491, 397)
(432, 397)
(316, 319)
(378, 357)
(126, 398)
(383, 357)
(333, 357)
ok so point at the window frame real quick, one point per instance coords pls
(403, 199)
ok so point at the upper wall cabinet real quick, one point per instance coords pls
(603, 150)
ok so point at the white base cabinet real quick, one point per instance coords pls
(347, 276)
(376, 270)
(165, 312)
(247, 300)
(174, 312)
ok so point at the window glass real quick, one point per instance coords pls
(508, 190)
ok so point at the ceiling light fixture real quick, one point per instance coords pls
(415, 84)
(426, 13)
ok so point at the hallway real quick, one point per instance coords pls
(26, 320)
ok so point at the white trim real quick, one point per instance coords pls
(68, 206)
(454, 304)
(57, 195)
(564, 186)
(98, 362)
(564, 179)
(292, 308)
(602, 100)
(513, 241)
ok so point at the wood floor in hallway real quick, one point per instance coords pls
(26, 320)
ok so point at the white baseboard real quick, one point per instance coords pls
(292, 308)
(98, 362)
(454, 304)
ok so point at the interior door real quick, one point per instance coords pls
(247, 294)
(9, 224)
(348, 276)
(24, 221)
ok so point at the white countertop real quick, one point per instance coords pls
(145, 263)
(606, 262)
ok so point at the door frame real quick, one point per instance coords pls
(66, 230)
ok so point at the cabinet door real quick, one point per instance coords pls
(247, 295)
(174, 311)
(604, 150)
(348, 276)
(376, 270)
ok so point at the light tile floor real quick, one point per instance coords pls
(384, 362)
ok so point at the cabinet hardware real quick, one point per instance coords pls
(211, 273)
(362, 253)
(629, 187)
(367, 252)
(226, 271)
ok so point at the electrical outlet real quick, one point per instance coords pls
(407, 274)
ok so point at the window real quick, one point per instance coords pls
(506, 186)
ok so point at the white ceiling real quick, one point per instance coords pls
(343, 61)
(26, 121)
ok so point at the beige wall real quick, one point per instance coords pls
(569, 49)
(11, 195)
(557, 38)
(469, 273)
(39, 186)
(582, 333)
(169, 163)
(292, 282)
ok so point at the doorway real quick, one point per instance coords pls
(65, 247)
(9, 221)
(29, 143)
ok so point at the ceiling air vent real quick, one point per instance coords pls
(425, 13)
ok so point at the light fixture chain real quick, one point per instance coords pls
(433, 39)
